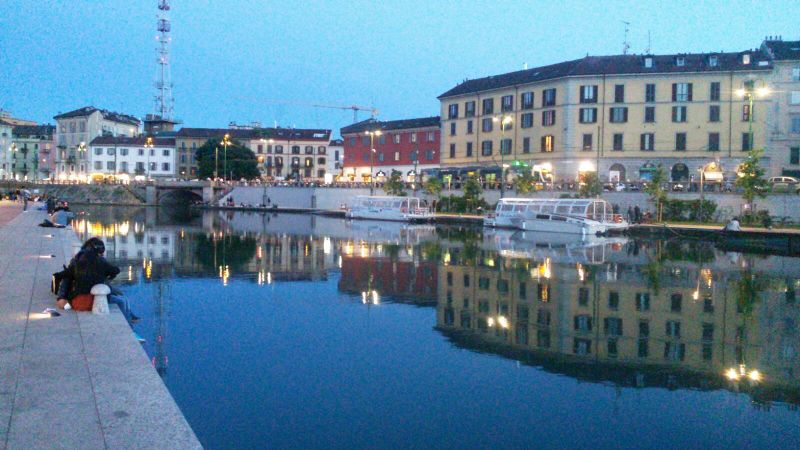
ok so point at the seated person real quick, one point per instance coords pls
(59, 219)
(733, 225)
(86, 269)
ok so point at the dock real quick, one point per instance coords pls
(78, 380)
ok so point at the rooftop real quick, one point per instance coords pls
(107, 115)
(300, 134)
(619, 65)
(45, 131)
(133, 141)
(781, 50)
(405, 124)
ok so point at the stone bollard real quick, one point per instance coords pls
(100, 292)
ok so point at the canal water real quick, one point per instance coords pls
(299, 331)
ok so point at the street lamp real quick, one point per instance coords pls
(13, 149)
(372, 135)
(749, 92)
(148, 145)
(225, 142)
(417, 179)
(504, 121)
(81, 155)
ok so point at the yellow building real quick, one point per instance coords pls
(625, 113)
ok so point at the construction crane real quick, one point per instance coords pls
(355, 108)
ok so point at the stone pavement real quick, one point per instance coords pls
(8, 211)
(78, 380)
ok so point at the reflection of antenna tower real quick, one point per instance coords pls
(160, 359)
(164, 100)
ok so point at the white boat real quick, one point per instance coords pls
(404, 209)
(573, 216)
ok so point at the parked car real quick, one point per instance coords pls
(784, 184)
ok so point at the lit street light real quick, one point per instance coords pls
(225, 142)
(372, 135)
(148, 145)
(748, 92)
(504, 120)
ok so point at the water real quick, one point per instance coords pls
(301, 331)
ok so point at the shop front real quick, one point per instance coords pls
(679, 172)
(647, 171)
(616, 173)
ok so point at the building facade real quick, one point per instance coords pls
(406, 146)
(335, 159)
(292, 153)
(124, 158)
(623, 115)
(32, 152)
(783, 136)
(5, 149)
(76, 129)
(188, 140)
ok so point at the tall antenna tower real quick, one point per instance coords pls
(164, 99)
(625, 45)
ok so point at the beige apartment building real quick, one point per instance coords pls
(627, 114)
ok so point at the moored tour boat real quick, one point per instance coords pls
(573, 216)
(404, 209)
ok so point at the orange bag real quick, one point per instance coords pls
(83, 302)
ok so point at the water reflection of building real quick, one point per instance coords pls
(637, 323)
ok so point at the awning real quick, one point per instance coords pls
(713, 176)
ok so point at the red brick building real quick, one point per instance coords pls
(398, 144)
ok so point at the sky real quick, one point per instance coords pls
(269, 61)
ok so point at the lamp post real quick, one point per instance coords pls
(81, 155)
(225, 142)
(748, 92)
(372, 135)
(148, 146)
(13, 149)
(504, 120)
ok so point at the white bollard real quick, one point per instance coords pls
(100, 292)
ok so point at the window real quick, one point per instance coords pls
(505, 146)
(165, 152)
(642, 301)
(469, 127)
(547, 143)
(279, 148)
(98, 151)
(153, 166)
(141, 152)
(549, 117)
(396, 138)
(452, 111)
(713, 142)
(714, 94)
(587, 142)
(618, 142)
(452, 128)
(679, 114)
(612, 326)
(351, 141)
(673, 329)
(486, 125)
(296, 148)
(794, 155)
(469, 149)
(165, 167)
(98, 165)
(549, 97)
(795, 98)
(486, 148)
(507, 103)
(676, 301)
(152, 152)
(110, 165)
(588, 115)
(795, 74)
(380, 156)
(619, 93)
(746, 59)
(452, 150)
(526, 100)
(260, 148)
(650, 92)
(526, 145)
(111, 151)
(680, 61)
(649, 114)
(469, 109)
(713, 113)
(647, 142)
(713, 61)
(680, 142)
(589, 94)
(746, 140)
(321, 150)
(613, 300)
(746, 111)
(397, 156)
(648, 62)
(527, 120)
(488, 106)
(583, 322)
(618, 114)
(681, 92)
(381, 140)
(413, 137)
(124, 166)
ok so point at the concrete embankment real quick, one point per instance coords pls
(78, 380)
(784, 242)
(86, 193)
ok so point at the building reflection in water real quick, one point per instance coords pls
(635, 314)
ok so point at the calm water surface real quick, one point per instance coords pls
(300, 331)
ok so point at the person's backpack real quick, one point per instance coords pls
(56, 280)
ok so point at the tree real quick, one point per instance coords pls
(394, 185)
(433, 186)
(524, 183)
(241, 163)
(658, 195)
(751, 177)
(591, 186)
(472, 193)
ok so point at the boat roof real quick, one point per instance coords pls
(555, 201)
(385, 197)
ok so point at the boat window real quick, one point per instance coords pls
(578, 209)
(562, 209)
(548, 208)
(507, 207)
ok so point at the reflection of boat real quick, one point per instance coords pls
(383, 232)
(574, 216)
(404, 209)
(556, 246)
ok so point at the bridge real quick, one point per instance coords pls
(163, 192)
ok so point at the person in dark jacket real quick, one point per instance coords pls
(86, 269)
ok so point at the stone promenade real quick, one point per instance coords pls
(78, 380)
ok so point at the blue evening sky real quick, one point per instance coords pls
(231, 58)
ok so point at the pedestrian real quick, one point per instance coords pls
(630, 214)
(24, 203)
(637, 214)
